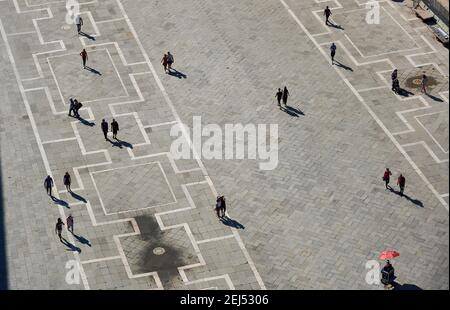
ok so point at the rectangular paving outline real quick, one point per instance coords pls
(91, 173)
(429, 133)
(87, 101)
(386, 53)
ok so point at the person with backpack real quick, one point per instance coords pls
(67, 180)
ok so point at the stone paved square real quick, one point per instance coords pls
(145, 219)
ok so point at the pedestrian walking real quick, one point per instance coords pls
(223, 206)
(424, 83)
(84, 57)
(79, 23)
(170, 61)
(105, 129)
(78, 106)
(394, 74)
(48, 184)
(333, 52)
(164, 62)
(386, 177)
(279, 96)
(285, 95)
(327, 14)
(114, 128)
(396, 86)
(67, 181)
(71, 107)
(58, 228)
(220, 206)
(69, 222)
(401, 181)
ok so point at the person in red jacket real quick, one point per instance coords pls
(401, 181)
(386, 177)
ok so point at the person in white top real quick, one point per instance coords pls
(79, 23)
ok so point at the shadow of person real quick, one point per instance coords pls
(78, 197)
(85, 122)
(404, 93)
(61, 202)
(82, 240)
(87, 36)
(291, 111)
(176, 73)
(232, 223)
(435, 98)
(343, 66)
(70, 246)
(414, 201)
(405, 287)
(120, 144)
(335, 26)
(93, 70)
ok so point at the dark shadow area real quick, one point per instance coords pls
(340, 65)
(405, 287)
(70, 246)
(85, 122)
(3, 266)
(414, 201)
(417, 202)
(404, 93)
(93, 70)
(121, 144)
(176, 73)
(78, 197)
(435, 98)
(60, 202)
(336, 26)
(82, 240)
(292, 111)
(232, 223)
(87, 36)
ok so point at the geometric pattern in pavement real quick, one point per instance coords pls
(124, 189)
(118, 177)
(221, 259)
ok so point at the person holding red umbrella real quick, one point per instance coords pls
(388, 272)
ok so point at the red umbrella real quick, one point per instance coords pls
(389, 255)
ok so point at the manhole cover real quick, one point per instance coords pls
(159, 251)
(65, 27)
